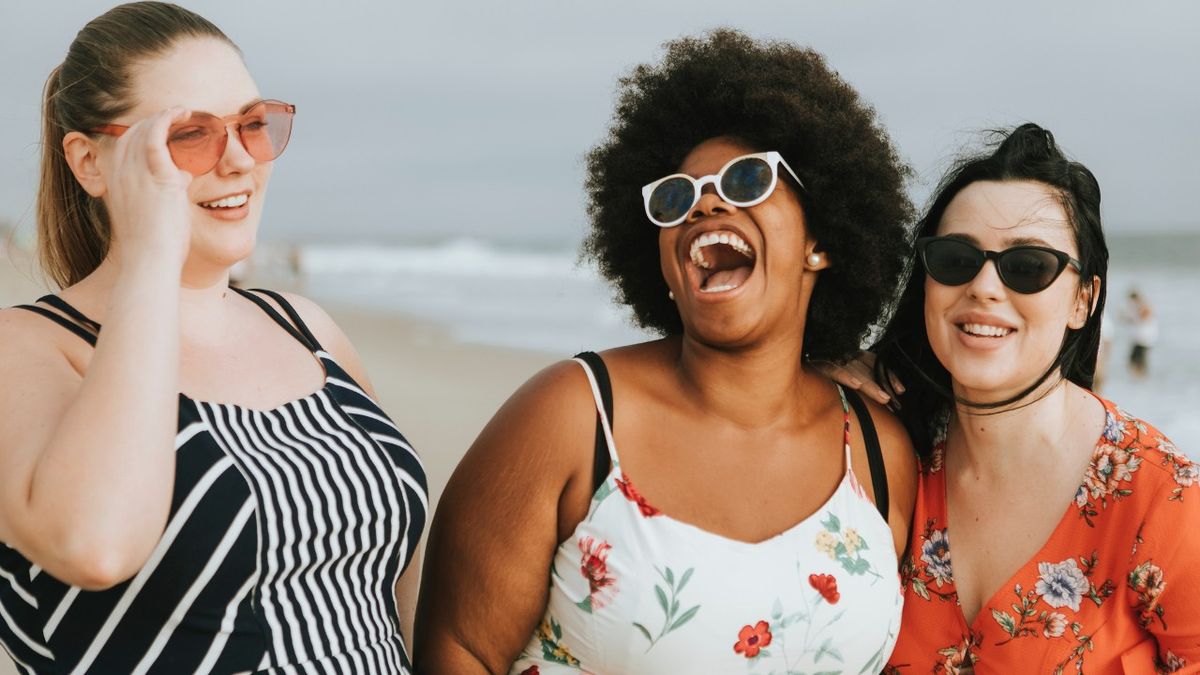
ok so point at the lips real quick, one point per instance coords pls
(982, 330)
(231, 201)
(719, 260)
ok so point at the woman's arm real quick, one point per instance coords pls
(504, 511)
(86, 459)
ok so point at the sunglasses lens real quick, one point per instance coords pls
(265, 130)
(1028, 270)
(746, 180)
(671, 200)
(952, 262)
(196, 145)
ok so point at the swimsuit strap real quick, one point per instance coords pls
(302, 337)
(874, 451)
(605, 453)
(59, 319)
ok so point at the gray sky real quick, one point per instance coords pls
(421, 120)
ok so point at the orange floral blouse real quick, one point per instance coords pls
(1116, 588)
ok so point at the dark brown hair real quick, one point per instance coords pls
(90, 88)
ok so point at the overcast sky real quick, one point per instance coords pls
(419, 120)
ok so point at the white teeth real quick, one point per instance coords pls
(709, 238)
(227, 202)
(718, 289)
(984, 330)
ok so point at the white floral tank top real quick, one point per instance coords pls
(633, 591)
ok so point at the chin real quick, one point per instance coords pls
(725, 332)
(225, 248)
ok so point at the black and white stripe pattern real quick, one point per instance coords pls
(288, 532)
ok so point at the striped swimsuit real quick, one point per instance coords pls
(288, 531)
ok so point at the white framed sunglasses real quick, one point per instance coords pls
(743, 181)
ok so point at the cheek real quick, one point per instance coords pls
(666, 252)
(938, 299)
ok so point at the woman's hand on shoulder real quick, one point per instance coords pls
(498, 525)
(859, 374)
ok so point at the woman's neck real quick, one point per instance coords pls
(203, 291)
(751, 387)
(1043, 433)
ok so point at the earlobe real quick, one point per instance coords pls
(82, 157)
(816, 260)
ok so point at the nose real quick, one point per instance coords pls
(710, 204)
(986, 286)
(235, 159)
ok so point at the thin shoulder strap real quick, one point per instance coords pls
(294, 316)
(62, 306)
(605, 453)
(879, 481)
(266, 307)
(61, 320)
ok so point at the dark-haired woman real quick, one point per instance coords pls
(1053, 531)
(262, 518)
(704, 502)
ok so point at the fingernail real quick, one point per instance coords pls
(855, 382)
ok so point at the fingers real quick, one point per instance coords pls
(145, 144)
(857, 374)
(158, 157)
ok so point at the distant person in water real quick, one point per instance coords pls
(1144, 325)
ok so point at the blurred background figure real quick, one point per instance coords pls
(1139, 316)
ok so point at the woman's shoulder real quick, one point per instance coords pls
(1133, 447)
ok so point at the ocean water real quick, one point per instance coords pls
(543, 299)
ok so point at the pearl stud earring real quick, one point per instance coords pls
(814, 259)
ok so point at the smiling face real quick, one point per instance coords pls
(738, 274)
(993, 341)
(208, 75)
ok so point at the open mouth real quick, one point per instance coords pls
(721, 261)
(227, 203)
(984, 330)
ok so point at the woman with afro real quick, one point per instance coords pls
(707, 501)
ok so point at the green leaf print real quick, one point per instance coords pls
(668, 601)
(687, 616)
(833, 523)
(684, 579)
(1006, 621)
(777, 610)
(919, 588)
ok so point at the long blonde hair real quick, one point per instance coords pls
(90, 88)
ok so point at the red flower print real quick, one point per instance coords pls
(636, 497)
(826, 585)
(751, 639)
(594, 567)
(531, 670)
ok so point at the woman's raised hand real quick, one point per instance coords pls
(147, 195)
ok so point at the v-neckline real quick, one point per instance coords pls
(1064, 522)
